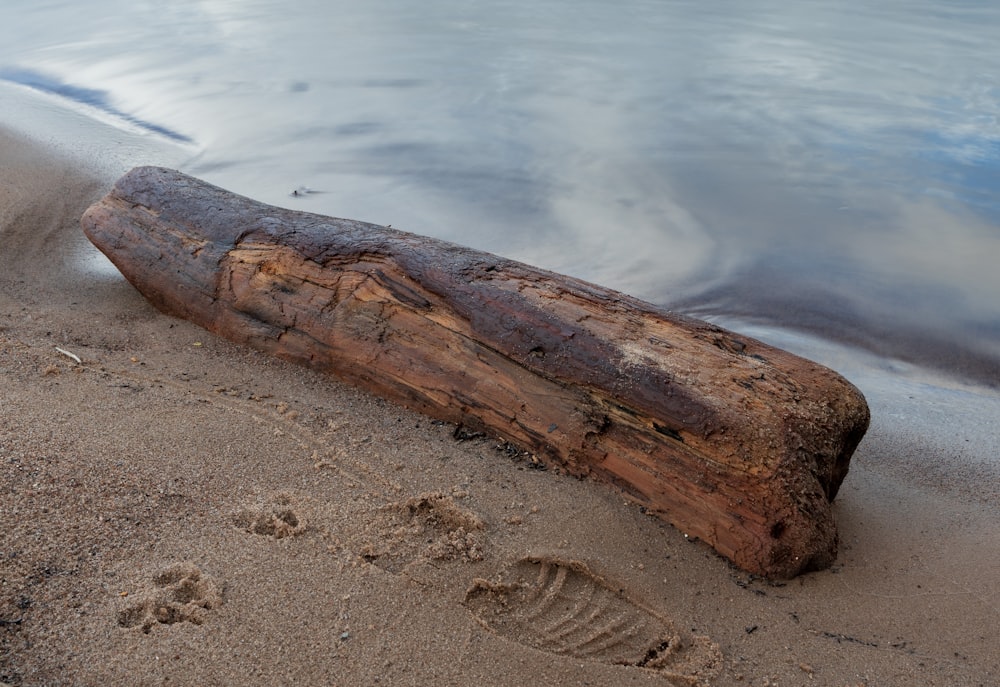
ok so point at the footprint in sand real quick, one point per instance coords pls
(563, 608)
(429, 527)
(279, 519)
(181, 593)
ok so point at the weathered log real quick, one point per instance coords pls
(731, 440)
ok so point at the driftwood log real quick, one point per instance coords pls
(733, 441)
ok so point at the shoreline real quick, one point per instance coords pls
(297, 530)
(110, 145)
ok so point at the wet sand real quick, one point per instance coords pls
(180, 510)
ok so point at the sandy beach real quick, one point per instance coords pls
(180, 510)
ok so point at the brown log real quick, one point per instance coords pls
(733, 441)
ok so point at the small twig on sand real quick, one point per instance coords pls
(74, 356)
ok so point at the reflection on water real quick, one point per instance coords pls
(99, 100)
(823, 166)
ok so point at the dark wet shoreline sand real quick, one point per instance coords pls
(181, 510)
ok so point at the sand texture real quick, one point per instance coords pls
(180, 510)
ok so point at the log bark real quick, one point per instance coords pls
(733, 441)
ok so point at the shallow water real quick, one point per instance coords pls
(792, 167)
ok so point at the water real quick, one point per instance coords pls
(815, 168)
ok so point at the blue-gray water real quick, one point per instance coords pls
(826, 167)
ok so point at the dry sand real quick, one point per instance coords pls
(179, 510)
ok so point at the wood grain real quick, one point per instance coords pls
(733, 441)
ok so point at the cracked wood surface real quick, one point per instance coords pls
(733, 441)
